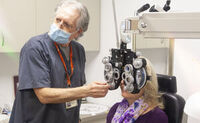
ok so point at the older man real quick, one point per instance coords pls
(51, 71)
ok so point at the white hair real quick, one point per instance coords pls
(83, 20)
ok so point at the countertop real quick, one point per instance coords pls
(89, 112)
(93, 112)
(4, 118)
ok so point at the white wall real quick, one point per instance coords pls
(8, 68)
(187, 57)
(187, 66)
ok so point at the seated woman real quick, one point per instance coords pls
(143, 107)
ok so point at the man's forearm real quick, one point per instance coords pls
(60, 95)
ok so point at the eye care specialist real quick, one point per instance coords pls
(51, 71)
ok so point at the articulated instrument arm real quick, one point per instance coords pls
(178, 25)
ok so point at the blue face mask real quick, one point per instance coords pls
(58, 35)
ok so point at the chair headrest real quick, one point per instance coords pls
(167, 83)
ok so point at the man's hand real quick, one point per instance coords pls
(97, 89)
(61, 95)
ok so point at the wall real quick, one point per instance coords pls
(8, 68)
(187, 66)
(187, 57)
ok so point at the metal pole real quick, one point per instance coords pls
(171, 57)
(134, 38)
(115, 19)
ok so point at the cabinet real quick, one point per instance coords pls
(22, 19)
(17, 23)
(91, 38)
(142, 43)
(45, 13)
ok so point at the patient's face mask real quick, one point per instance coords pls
(58, 35)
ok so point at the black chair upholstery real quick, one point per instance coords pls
(174, 103)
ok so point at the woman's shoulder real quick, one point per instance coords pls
(157, 112)
(156, 115)
(159, 115)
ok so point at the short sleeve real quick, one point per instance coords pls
(34, 70)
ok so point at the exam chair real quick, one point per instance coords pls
(173, 103)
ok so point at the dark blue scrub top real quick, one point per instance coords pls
(40, 66)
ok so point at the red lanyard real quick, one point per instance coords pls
(71, 63)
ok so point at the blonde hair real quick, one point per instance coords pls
(151, 94)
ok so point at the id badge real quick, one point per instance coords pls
(71, 104)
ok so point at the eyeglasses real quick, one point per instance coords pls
(65, 24)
